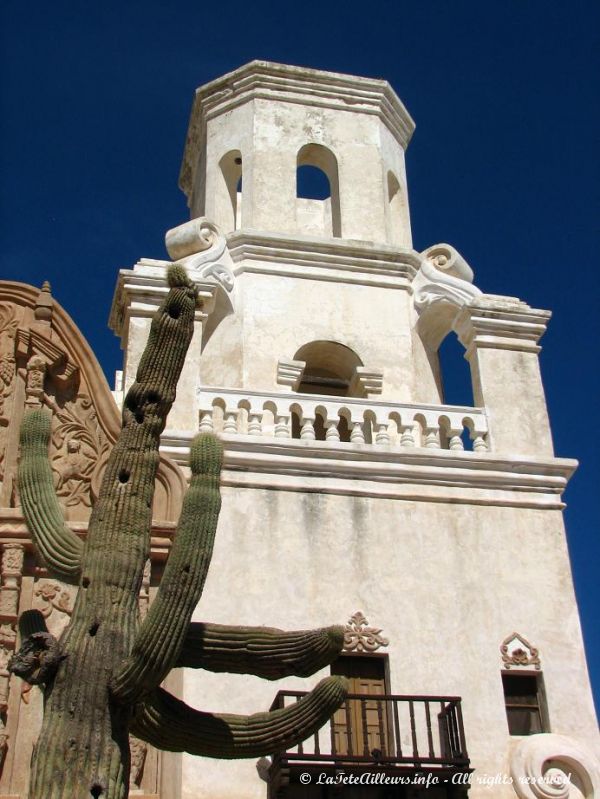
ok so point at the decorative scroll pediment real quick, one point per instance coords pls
(46, 362)
(517, 652)
(360, 637)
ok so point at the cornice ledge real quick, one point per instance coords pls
(145, 286)
(362, 469)
(501, 323)
(293, 254)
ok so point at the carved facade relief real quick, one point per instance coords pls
(517, 652)
(360, 637)
(10, 588)
(9, 322)
(80, 451)
(138, 750)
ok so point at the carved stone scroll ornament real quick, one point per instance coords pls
(517, 652)
(549, 766)
(198, 245)
(360, 637)
(444, 276)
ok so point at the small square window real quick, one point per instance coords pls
(525, 703)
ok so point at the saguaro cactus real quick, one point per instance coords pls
(101, 680)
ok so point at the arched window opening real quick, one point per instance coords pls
(329, 368)
(312, 183)
(317, 191)
(455, 374)
(228, 201)
(395, 210)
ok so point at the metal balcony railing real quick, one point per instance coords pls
(420, 732)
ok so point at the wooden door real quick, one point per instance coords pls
(360, 727)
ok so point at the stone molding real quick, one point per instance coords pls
(139, 292)
(366, 381)
(334, 260)
(501, 323)
(289, 372)
(548, 766)
(416, 474)
(283, 83)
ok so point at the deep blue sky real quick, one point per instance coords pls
(503, 164)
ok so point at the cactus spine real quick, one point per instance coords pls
(101, 679)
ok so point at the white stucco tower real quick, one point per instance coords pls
(352, 493)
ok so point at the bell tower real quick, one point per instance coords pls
(352, 491)
(262, 122)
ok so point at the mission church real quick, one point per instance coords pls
(352, 492)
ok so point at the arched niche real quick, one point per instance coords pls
(330, 368)
(317, 191)
(228, 199)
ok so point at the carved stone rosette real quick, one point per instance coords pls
(360, 637)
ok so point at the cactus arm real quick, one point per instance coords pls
(60, 549)
(161, 636)
(170, 724)
(263, 651)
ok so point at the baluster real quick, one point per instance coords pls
(444, 736)
(382, 436)
(301, 743)
(429, 735)
(357, 435)
(230, 422)
(479, 442)
(307, 431)
(350, 748)
(413, 729)
(455, 441)
(332, 433)
(461, 731)
(432, 438)
(282, 426)
(382, 741)
(407, 438)
(206, 422)
(397, 730)
(254, 424)
(363, 716)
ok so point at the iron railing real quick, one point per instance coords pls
(387, 730)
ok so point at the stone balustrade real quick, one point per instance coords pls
(341, 419)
